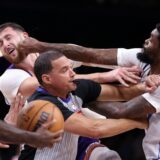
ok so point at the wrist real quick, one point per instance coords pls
(105, 77)
(29, 137)
(142, 87)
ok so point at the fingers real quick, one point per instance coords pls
(18, 103)
(128, 75)
(20, 100)
(48, 124)
(57, 134)
(135, 69)
(53, 138)
(16, 106)
(46, 138)
(122, 81)
(4, 145)
(150, 89)
(152, 82)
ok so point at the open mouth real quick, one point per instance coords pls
(10, 50)
(75, 82)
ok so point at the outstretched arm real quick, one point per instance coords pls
(135, 108)
(121, 93)
(77, 123)
(75, 52)
(41, 138)
(123, 75)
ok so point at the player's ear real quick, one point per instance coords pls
(25, 34)
(46, 79)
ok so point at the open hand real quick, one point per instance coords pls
(16, 106)
(45, 138)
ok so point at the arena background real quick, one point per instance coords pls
(91, 23)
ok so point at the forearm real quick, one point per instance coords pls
(97, 77)
(119, 93)
(99, 128)
(79, 53)
(135, 108)
(10, 134)
(128, 93)
(117, 126)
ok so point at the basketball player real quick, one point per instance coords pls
(147, 58)
(11, 35)
(54, 72)
(71, 51)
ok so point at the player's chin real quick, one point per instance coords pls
(16, 59)
(11, 60)
(73, 86)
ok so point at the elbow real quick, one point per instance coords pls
(96, 130)
(95, 133)
(99, 132)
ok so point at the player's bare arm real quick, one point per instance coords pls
(41, 138)
(136, 108)
(99, 128)
(75, 52)
(121, 93)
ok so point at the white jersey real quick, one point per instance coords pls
(10, 81)
(151, 141)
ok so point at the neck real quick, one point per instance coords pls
(55, 92)
(155, 66)
(28, 63)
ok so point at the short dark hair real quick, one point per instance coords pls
(43, 63)
(13, 25)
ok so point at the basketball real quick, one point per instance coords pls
(38, 112)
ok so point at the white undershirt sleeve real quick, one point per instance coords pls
(154, 99)
(10, 81)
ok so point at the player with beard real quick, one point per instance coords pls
(10, 36)
(147, 58)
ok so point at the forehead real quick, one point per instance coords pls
(61, 62)
(155, 33)
(7, 31)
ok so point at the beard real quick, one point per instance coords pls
(144, 57)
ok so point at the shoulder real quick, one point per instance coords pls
(85, 84)
(131, 50)
(128, 57)
(43, 96)
(10, 81)
(87, 90)
(14, 73)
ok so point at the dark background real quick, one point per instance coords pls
(91, 23)
(95, 23)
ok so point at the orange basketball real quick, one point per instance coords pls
(38, 112)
